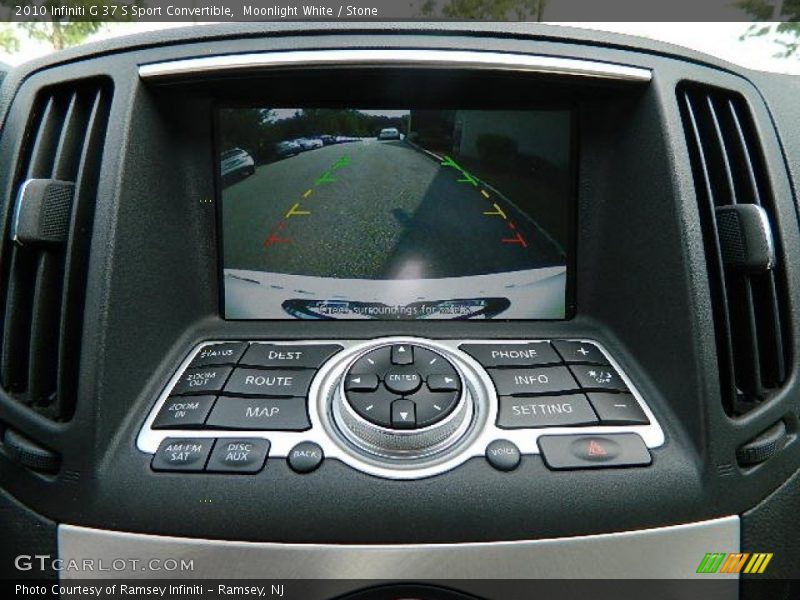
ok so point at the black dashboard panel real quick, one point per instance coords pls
(641, 289)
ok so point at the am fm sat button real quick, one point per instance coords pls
(182, 454)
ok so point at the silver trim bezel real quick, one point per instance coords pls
(322, 432)
(400, 57)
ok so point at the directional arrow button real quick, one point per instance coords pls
(403, 414)
(402, 355)
(361, 382)
(443, 383)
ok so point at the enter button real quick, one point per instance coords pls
(545, 411)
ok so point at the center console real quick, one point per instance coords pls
(398, 407)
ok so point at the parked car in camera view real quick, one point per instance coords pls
(236, 164)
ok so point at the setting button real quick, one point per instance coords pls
(238, 456)
(305, 356)
(515, 382)
(512, 355)
(618, 409)
(180, 454)
(201, 381)
(598, 378)
(580, 352)
(593, 451)
(402, 380)
(503, 455)
(432, 407)
(375, 407)
(404, 414)
(260, 414)
(545, 411)
(271, 382)
(228, 353)
(183, 412)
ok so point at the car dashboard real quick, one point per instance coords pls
(409, 302)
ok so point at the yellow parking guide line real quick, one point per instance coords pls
(308, 193)
(293, 212)
(485, 194)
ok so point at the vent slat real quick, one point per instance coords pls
(17, 321)
(78, 247)
(749, 298)
(46, 275)
(44, 147)
(42, 361)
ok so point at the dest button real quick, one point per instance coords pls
(289, 355)
(238, 456)
(182, 454)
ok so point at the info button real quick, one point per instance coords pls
(526, 382)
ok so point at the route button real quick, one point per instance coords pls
(269, 382)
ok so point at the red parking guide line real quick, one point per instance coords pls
(518, 239)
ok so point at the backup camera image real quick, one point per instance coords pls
(394, 214)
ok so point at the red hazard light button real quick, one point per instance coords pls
(594, 451)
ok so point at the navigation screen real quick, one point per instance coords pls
(395, 214)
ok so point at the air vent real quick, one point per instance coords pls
(738, 216)
(45, 249)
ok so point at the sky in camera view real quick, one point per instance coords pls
(718, 39)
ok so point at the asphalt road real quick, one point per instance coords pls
(378, 210)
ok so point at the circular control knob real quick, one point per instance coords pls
(402, 400)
